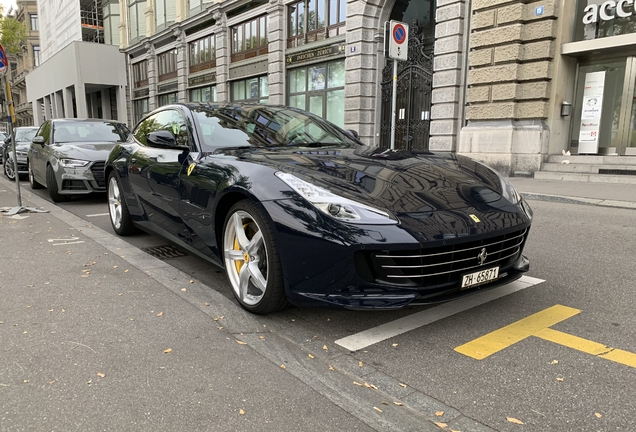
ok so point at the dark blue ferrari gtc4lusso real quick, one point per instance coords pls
(299, 211)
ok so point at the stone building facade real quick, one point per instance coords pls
(499, 80)
(26, 60)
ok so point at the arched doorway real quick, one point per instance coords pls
(415, 78)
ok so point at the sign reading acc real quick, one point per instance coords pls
(622, 9)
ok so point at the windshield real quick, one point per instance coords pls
(71, 132)
(25, 134)
(263, 126)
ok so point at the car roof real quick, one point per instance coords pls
(75, 120)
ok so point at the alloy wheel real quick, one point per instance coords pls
(114, 202)
(8, 169)
(246, 258)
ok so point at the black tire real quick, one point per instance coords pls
(51, 185)
(124, 226)
(9, 169)
(273, 298)
(32, 181)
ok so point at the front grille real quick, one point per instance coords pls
(98, 172)
(442, 266)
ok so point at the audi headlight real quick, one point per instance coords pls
(73, 163)
(339, 208)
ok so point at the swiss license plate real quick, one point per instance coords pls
(478, 278)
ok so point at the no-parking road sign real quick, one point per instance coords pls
(398, 40)
(4, 62)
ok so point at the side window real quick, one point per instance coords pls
(45, 132)
(168, 120)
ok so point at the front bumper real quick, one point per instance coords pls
(81, 180)
(322, 265)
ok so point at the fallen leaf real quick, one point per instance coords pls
(89, 382)
(384, 403)
(560, 379)
(357, 383)
(101, 375)
(160, 314)
(402, 385)
(191, 281)
(441, 425)
(206, 304)
(125, 271)
(367, 385)
(398, 403)
(115, 266)
(439, 413)
(377, 409)
(283, 367)
(331, 368)
(394, 345)
(241, 342)
(50, 382)
(220, 327)
(514, 420)
(26, 381)
(241, 412)
(261, 337)
(598, 415)
(554, 362)
(169, 350)
(310, 356)
(360, 364)
(325, 348)
(183, 289)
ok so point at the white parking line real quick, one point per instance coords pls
(98, 214)
(385, 331)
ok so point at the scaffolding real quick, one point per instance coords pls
(92, 17)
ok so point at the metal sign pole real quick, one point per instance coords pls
(394, 103)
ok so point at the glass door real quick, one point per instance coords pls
(630, 139)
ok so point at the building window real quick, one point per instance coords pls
(165, 13)
(111, 23)
(137, 20)
(34, 22)
(251, 90)
(202, 54)
(249, 39)
(36, 55)
(166, 99)
(167, 64)
(319, 89)
(312, 20)
(141, 107)
(140, 74)
(203, 94)
(196, 6)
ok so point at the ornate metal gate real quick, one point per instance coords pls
(413, 108)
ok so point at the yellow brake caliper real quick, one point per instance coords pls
(239, 264)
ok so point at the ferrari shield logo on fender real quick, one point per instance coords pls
(191, 168)
(472, 216)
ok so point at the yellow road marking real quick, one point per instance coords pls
(498, 340)
(616, 355)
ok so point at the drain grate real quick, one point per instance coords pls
(616, 171)
(164, 252)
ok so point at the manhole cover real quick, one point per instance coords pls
(164, 252)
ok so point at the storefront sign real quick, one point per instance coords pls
(591, 112)
(209, 78)
(315, 54)
(141, 93)
(167, 87)
(608, 10)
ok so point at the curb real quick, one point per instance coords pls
(577, 200)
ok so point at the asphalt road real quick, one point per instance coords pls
(583, 254)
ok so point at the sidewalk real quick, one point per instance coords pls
(98, 335)
(600, 194)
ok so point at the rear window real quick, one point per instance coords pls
(69, 132)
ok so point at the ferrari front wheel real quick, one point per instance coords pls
(251, 259)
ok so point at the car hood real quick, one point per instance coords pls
(400, 182)
(84, 151)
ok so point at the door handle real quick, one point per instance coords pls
(133, 160)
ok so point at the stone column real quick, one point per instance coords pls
(509, 83)
(222, 57)
(48, 114)
(122, 107)
(106, 111)
(276, 48)
(68, 102)
(361, 68)
(152, 76)
(182, 65)
(448, 79)
(38, 119)
(80, 101)
(150, 17)
(123, 24)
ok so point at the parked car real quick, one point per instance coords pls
(298, 211)
(3, 137)
(23, 137)
(67, 156)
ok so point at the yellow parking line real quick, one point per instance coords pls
(616, 355)
(498, 340)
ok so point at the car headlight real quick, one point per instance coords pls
(339, 208)
(73, 163)
(508, 191)
(21, 153)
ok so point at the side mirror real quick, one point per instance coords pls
(38, 140)
(162, 138)
(353, 133)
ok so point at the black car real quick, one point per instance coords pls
(23, 137)
(298, 211)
